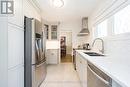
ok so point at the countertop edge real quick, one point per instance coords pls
(112, 76)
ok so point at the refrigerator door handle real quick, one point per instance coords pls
(37, 50)
(40, 50)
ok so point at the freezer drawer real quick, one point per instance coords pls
(38, 74)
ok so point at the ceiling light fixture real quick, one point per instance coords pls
(58, 3)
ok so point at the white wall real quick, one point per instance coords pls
(74, 27)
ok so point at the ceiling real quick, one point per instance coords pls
(72, 9)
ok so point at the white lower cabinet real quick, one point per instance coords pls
(84, 72)
(81, 67)
(52, 56)
(16, 77)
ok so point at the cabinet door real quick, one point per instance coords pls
(52, 56)
(76, 59)
(81, 71)
(77, 63)
(16, 77)
(17, 18)
(81, 66)
(84, 72)
(15, 46)
(54, 32)
(46, 28)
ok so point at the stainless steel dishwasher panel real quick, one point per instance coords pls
(96, 78)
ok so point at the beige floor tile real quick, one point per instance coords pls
(62, 75)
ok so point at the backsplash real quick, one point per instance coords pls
(118, 46)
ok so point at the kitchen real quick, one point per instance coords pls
(99, 38)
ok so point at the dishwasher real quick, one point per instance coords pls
(97, 78)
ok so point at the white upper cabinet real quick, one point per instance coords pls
(15, 46)
(17, 17)
(54, 32)
(51, 31)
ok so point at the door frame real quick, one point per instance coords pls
(60, 40)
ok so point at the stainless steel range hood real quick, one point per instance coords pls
(85, 30)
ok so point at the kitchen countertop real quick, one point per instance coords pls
(117, 69)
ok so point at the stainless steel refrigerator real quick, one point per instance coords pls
(34, 59)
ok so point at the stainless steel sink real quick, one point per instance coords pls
(93, 54)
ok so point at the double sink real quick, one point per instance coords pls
(93, 54)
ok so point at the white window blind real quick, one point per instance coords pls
(122, 21)
(101, 29)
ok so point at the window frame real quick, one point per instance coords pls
(110, 25)
(96, 35)
(114, 29)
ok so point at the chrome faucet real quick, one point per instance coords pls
(102, 50)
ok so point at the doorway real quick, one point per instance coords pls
(66, 46)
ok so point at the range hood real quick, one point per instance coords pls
(84, 31)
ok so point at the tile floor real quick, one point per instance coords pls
(62, 75)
